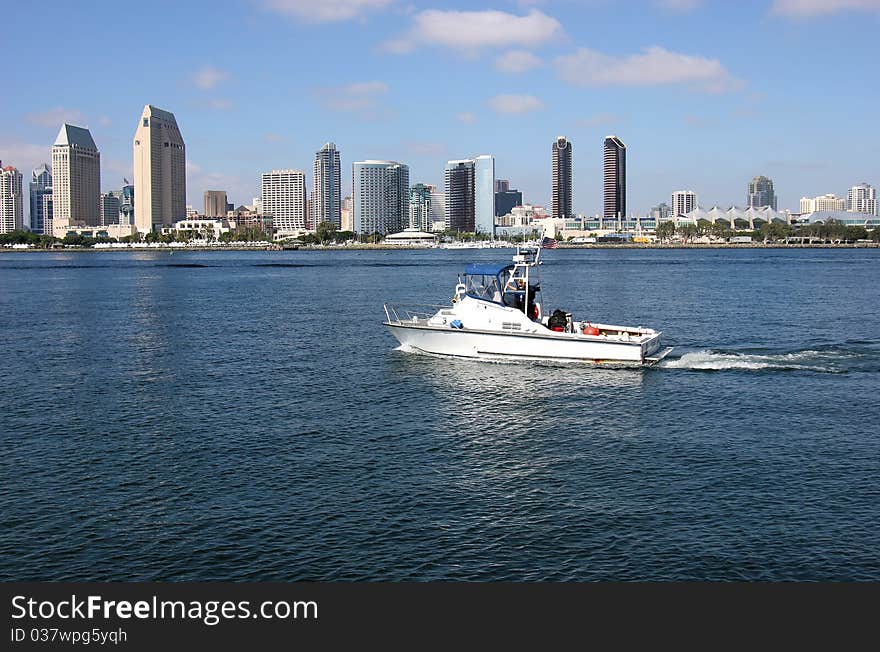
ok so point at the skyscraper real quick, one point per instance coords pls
(284, 199)
(126, 202)
(159, 170)
(76, 178)
(615, 178)
(420, 207)
(40, 187)
(109, 207)
(11, 202)
(761, 193)
(380, 196)
(683, 202)
(215, 203)
(327, 194)
(862, 198)
(438, 210)
(506, 199)
(470, 195)
(828, 202)
(561, 151)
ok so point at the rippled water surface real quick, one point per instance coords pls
(244, 416)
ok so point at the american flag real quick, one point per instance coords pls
(549, 243)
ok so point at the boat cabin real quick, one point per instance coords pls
(507, 285)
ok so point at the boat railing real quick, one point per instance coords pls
(398, 313)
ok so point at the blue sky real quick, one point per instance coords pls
(706, 94)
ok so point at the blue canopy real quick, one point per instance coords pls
(493, 269)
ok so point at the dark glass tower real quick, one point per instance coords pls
(761, 193)
(615, 178)
(561, 177)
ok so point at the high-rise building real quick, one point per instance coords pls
(561, 153)
(380, 196)
(502, 185)
(126, 202)
(661, 212)
(761, 193)
(829, 202)
(215, 203)
(438, 210)
(159, 170)
(505, 200)
(683, 202)
(347, 215)
(76, 179)
(11, 201)
(470, 195)
(420, 207)
(284, 199)
(615, 179)
(40, 187)
(109, 206)
(326, 203)
(862, 198)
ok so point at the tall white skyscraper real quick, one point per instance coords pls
(159, 170)
(862, 198)
(11, 202)
(438, 209)
(380, 196)
(683, 202)
(326, 203)
(76, 179)
(40, 187)
(284, 199)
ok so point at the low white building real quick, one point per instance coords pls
(411, 237)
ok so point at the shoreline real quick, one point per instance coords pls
(382, 247)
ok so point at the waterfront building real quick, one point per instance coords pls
(76, 179)
(683, 202)
(828, 202)
(326, 204)
(39, 188)
(420, 207)
(346, 215)
(761, 193)
(109, 208)
(470, 195)
(438, 210)
(159, 170)
(380, 196)
(615, 178)
(848, 218)
(506, 199)
(284, 199)
(862, 198)
(561, 154)
(215, 203)
(11, 201)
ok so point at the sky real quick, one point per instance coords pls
(706, 94)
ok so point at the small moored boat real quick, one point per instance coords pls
(496, 314)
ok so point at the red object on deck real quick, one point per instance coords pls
(558, 329)
(589, 329)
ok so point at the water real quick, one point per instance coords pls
(244, 416)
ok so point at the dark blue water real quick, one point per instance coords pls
(244, 416)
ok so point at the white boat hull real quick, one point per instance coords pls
(526, 346)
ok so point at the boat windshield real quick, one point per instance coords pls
(484, 286)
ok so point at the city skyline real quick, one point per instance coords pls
(705, 96)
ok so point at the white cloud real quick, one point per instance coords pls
(56, 117)
(812, 8)
(471, 31)
(466, 117)
(24, 156)
(208, 77)
(680, 5)
(273, 137)
(360, 96)
(517, 61)
(655, 66)
(512, 104)
(325, 11)
(425, 149)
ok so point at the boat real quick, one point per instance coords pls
(496, 313)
